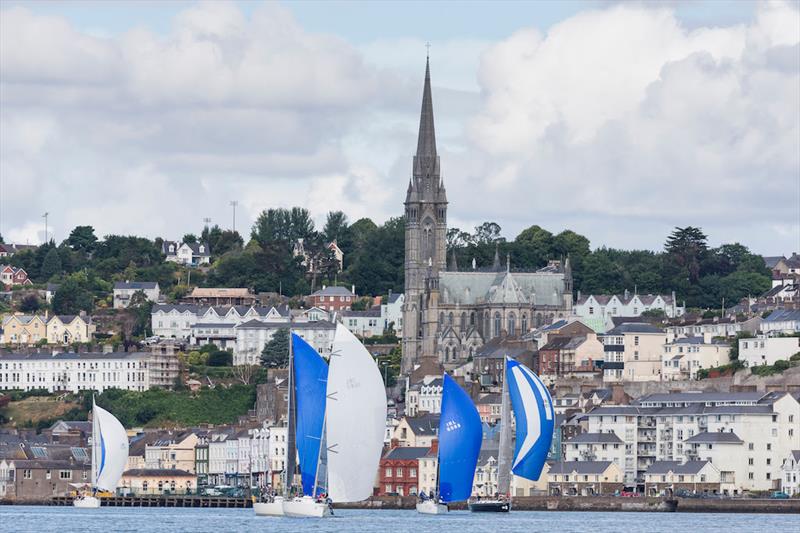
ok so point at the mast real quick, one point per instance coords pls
(504, 453)
(291, 452)
(95, 442)
(319, 454)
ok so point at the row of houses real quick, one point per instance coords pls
(23, 329)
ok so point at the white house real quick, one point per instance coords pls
(177, 320)
(392, 312)
(790, 482)
(625, 305)
(763, 350)
(124, 291)
(251, 337)
(683, 357)
(191, 254)
(715, 327)
(366, 323)
(72, 372)
(595, 447)
(782, 321)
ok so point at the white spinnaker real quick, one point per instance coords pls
(111, 449)
(356, 419)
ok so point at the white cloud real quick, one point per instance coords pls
(618, 122)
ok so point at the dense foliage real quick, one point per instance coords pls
(86, 266)
(276, 352)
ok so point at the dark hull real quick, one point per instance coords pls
(490, 507)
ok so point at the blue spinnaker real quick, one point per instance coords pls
(310, 377)
(534, 416)
(459, 442)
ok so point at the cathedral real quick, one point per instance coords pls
(450, 313)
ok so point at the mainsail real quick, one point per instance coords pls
(356, 419)
(459, 442)
(534, 415)
(311, 374)
(505, 452)
(109, 449)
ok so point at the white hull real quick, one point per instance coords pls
(273, 508)
(431, 507)
(305, 507)
(86, 502)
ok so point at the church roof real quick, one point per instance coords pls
(472, 288)
(426, 142)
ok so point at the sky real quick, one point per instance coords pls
(619, 121)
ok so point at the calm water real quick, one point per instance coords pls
(114, 519)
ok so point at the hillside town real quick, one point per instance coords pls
(652, 397)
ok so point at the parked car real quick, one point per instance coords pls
(779, 495)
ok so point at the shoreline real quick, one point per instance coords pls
(524, 503)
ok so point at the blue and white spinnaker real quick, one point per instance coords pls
(535, 418)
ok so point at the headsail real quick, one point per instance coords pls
(459, 442)
(109, 449)
(356, 419)
(535, 418)
(311, 374)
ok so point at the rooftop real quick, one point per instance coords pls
(580, 467)
(728, 437)
(135, 285)
(676, 467)
(406, 453)
(593, 438)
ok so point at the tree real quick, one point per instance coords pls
(30, 304)
(336, 227)
(276, 352)
(51, 266)
(190, 238)
(687, 247)
(534, 246)
(82, 239)
(220, 358)
(487, 233)
(245, 373)
(72, 298)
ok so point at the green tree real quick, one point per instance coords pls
(72, 298)
(51, 266)
(336, 227)
(687, 247)
(30, 304)
(190, 238)
(82, 239)
(487, 233)
(276, 352)
(220, 358)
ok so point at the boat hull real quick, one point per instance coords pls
(273, 508)
(305, 507)
(86, 502)
(490, 506)
(431, 507)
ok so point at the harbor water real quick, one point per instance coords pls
(31, 519)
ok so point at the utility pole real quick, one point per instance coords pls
(45, 226)
(233, 204)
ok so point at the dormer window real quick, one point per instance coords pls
(202, 249)
(171, 248)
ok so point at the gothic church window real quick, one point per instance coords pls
(463, 321)
(497, 324)
(524, 325)
(512, 324)
(450, 319)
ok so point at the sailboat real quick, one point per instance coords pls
(535, 419)
(109, 456)
(341, 416)
(459, 445)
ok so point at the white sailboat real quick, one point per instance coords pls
(353, 423)
(109, 456)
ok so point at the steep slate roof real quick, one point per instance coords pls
(369, 313)
(634, 327)
(332, 291)
(780, 315)
(702, 397)
(676, 467)
(406, 453)
(593, 438)
(424, 425)
(475, 287)
(581, 467)
(771, 261)
(394, 297)
(258, 324)
(135, 285)
(727, 437)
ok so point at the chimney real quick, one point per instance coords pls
(626, 293)
(579, 294)
(434, 447)
(353, 289)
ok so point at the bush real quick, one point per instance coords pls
(220, 358)
(795, 357)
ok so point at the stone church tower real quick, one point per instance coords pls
(426, 237)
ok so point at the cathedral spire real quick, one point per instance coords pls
(453, 267)
(496, 264)
(426, 142)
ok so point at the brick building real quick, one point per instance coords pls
(398, 470)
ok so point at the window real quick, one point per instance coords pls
(750, 461)
(399, 471)
(497, 324)
(636, 339)
(412, 472)
(388, 473)
(47, 475)
(27, 474)
(387, 488)
(65, 474)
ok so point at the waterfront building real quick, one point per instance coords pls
(158, 481)
(595, 307)
(33, 480)
(584, 478)
(417, 431)
(398, 470)
(668, 478)
(595, 447)
(745, 434)
(790, 481)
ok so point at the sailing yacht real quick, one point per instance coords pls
(109, 456)
(459, 445)
(341, 416)
(535, 418)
